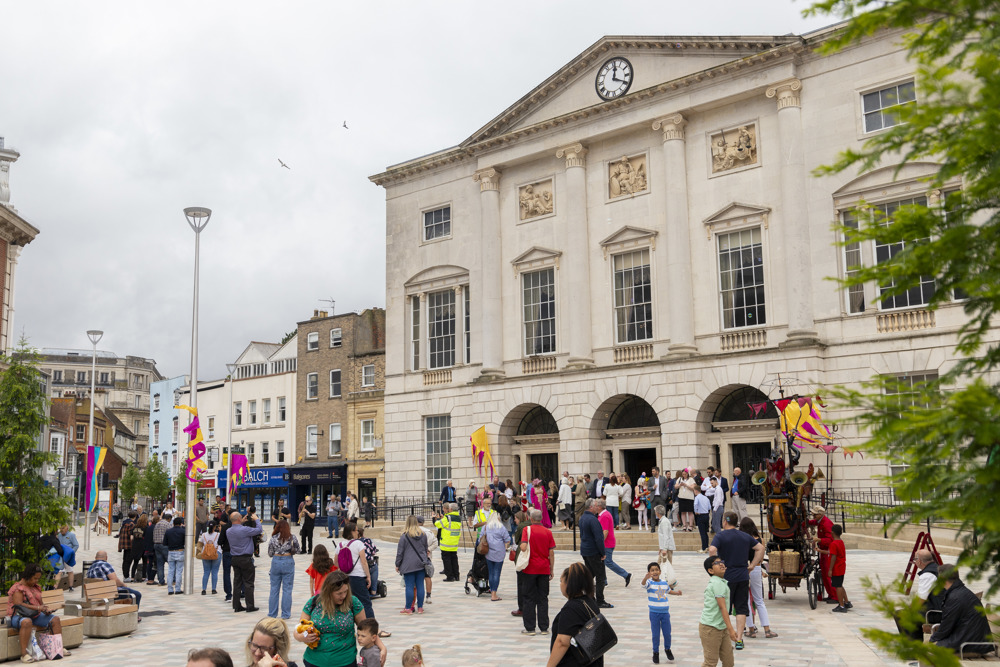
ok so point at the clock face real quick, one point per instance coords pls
(614, 78)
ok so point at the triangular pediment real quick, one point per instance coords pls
(656, 61)
(737, 211)
(628, 234)
(535, 255)
(257, 353)
(436, 273)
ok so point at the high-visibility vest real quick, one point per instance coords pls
(451, 531)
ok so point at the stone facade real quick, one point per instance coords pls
(15, 233)
(622, 331)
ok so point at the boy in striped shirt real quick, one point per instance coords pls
(657, 591)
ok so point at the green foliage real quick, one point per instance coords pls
(948, 430)
(28, 508)
(155, 482)
(128, 485)
(180, 488)
(288, 336)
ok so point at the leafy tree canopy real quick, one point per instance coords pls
(155, 483)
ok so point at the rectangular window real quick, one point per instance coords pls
(881, 107)
(312, 386)
(907, 391)
(368, 435)
(852, 264)
(311, 441)
(54, 446)
(368, 375)
(81, 377)
(468, 327)
(156, 433)
(211, 428)
(136, 427)
(252, 412)
(441, 328)
(265, 454)
(57, 376)
(335, 338)
(279, 447)
(238, 413)
(334, 439)
(437, 223)
(136, 402)
(741, 279)
(633, 297)
(104, 378)
(281, 410)
(917, 295)
(415, 332)
(156, 402)
(437, 435)
(266, 410)
(312, 341)
(334, 383)
(176, 430)
(81, 433)
(250, 453)
(539, 297)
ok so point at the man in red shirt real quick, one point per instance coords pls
(608, 525)
(536, 576)
(837, 554)
(824, 536)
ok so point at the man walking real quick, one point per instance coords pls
(159, 548)
(173, 540)
(592, 548)
(102, 569)
(734, 547)
(534, 590)
(739, 504)
(608, 528)
(241, 547)
(450, 526)
(125, 543)
(307, 519)
(200, 518)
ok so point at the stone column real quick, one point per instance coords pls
(790, 238)
(577, 260)
(491, 335)
(680, 297)
(459, 326)
(9, 337)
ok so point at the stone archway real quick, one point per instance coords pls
(532, 434)
(630, 433)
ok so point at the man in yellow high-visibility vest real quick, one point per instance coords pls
(450, 526)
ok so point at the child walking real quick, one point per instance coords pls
(715, 628)
(838, 567)
(657, 591)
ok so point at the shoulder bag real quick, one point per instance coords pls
(523, 556)
(208, 551)
(595, 638)
(483, 547)
(428, 565)
(25, 612)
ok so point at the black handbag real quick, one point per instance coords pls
(595, 638)
(25, 612)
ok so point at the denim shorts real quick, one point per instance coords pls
(40, 621)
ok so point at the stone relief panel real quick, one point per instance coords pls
(536, 199)
(734, 148)
(627, 176)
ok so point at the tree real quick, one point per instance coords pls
(288, 336)
(155, 483)
(128, 485)
(947, 430)
(28, 508)
(180, 488)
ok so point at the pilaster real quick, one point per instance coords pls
(576, 240)
(492, 314)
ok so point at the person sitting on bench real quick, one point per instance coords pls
(962, 619)
(102, 569)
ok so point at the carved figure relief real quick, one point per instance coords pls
(627, 176)
(536, 199)
(735, 148)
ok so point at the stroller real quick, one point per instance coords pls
(478, 577)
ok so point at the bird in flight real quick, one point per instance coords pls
(283, 164)
(345, 125)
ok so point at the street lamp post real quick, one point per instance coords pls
(95, 336)
(229, 459)
(197, 218)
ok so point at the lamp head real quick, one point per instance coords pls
(197, 217)
(95, 336)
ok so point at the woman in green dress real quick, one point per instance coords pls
(334, 613)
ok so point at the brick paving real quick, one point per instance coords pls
(459, 630)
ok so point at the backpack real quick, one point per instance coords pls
(345, 559)
(208, 551)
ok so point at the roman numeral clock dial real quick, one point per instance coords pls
(614, 79)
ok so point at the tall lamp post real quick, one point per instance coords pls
(229, 459)
(95, 336)
(197, 218)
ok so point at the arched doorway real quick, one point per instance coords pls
(630, 432)
(535, 436)
(743, 423)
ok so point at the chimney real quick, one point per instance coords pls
(319, 314)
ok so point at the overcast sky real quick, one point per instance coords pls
(125, 113)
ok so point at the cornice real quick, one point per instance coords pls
(14, 228)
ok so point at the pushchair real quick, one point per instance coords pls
(478, 577)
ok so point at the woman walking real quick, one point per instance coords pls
(281, 548)
(499, 540)
(210, 566)
(756, 588)
(334, 614)
(411, 554)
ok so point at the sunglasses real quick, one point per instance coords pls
(719, 562)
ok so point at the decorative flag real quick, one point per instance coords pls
(481, 453)
(237, 474)
(799, 419)
(95, 460)
(196, 448)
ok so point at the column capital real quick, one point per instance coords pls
(672, 126)
(573, 153)
(489, 179)
(787, 92)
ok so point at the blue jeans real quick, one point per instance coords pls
(359, 589)
(175, 578)
(612, 565)
(494, 569)
(227, 574)
(282, 579)
(414, 580)
(137, 594)
(40, 621)
(210, 568)
(614, 513)
(373, 568)
(162, 553)
(659, 622)
(332, 525)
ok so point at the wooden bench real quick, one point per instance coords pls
(105, 613)
(72, 626)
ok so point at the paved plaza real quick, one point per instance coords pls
(459, 630)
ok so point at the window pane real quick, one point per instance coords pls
(741, 278)
(438, 441)
(633, 309)
(441, 328)
(538, 290)
(437, 224)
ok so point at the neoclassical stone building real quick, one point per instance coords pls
(613, 268)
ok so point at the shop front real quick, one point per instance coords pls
(320, 483)
(262, 488)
